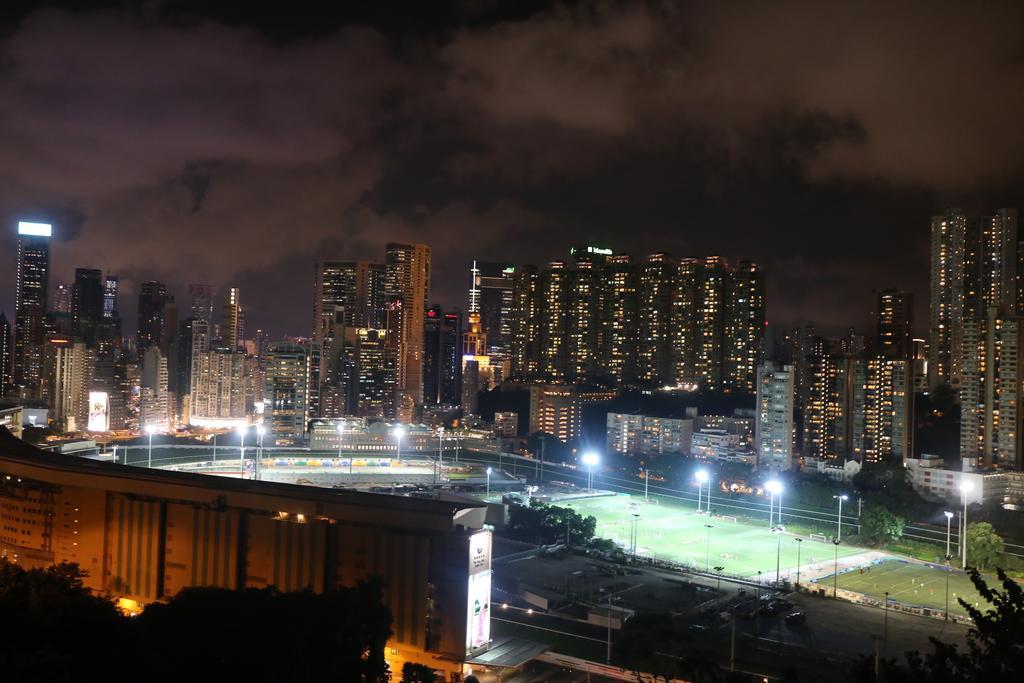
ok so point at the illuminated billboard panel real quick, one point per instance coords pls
(99, 420)
(478, 603)
(35, 229)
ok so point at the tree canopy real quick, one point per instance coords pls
(984, 546)
(879, 526)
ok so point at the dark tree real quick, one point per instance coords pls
(417, 673)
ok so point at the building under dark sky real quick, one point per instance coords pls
(235, 145)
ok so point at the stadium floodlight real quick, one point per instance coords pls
(841, 497)
(151, 430)
(590, 459)
(949, 520)
(398, 432)
(488, 481)
(774, 487)
(965, 487)
(241, 450)
(702, 478)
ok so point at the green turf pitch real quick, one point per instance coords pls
(912, 584)
(675, 532)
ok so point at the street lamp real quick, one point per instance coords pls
(341, 432)
(398, 433)
(835, 572)
(775, 489)
(241, 450)
(260, 433)
(488, 481)
(840, 498)
(590, 459)
(115, 453)
(965, 488)
(702, 476)
(151, 430)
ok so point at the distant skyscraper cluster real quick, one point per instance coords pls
(661, 322)
(976, 306)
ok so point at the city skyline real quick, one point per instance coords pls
(450, 151)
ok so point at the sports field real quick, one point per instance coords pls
(910, 583)
(674, 532)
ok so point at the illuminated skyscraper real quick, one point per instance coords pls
(524, 323)
(30, 305)
(584, 316)
(153, 403)
(492, 290)
(711, 321)
(893, 324)
(230, 318)
(744, 326)
(217, 388)
(285, 391)
(69, 367)
(685, 315)
(553, 315)
(152, 302)
(773, 435)
(658, 281)
(990, 391)
(888, 410)
(408, 286)
(442, 358)
(949, 236)
(621, 318)
(6, 351)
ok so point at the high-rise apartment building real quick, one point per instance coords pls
(231, 310)
(408, 287)
(744, 326)
(285, 391)
(557, 409)
(991, 391)
(773, 428)
(218, 388)
(946, 303)
(201, 299)
(6, 351)
(111, 309)
(885, 428)
(658, 280)
(654, 324)
(69, 370)
(648, 434)
(442, 358)
(893, 324)
(153, 406)
(151, 315)
(87, 304)
(33, 272)
(976, 264)
(491, 290)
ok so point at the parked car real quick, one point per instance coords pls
(796, 618)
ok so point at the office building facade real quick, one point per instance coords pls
(33, 277)
(773, 431)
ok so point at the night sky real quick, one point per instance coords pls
(236, 146)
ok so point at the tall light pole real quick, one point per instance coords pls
(398, 433)
(835, 572)
(241, 450)
(647, 479)
(799, 543)
(949, 520)
(841, 497)
(778, 554)
(115, 453)
(488, 481)
(590, 459)
(260, 433)
(965, 488)
(775, 489)
(707, 554)
(440, 445)
(151, 430)
(701, 476)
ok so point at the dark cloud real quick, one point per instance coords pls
(193, 144)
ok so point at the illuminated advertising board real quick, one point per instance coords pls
(35, 229)
(478, 602)
(478, 617)
(99, 420)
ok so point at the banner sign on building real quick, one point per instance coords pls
(99, 420)
(478, 604)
